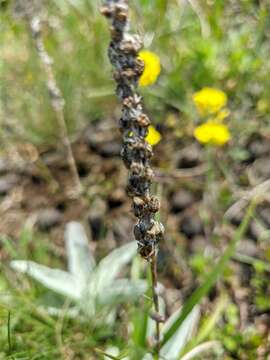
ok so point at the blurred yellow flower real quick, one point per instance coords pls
(209, 101)
(171, 120)
(153, 137)
(213, 133)
(263, 106)
(152, 67)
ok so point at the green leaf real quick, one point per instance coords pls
(172, 348)
(212, 319)
(111, 265)
(57, 280)
(121, 291)
(106, 355)
(139, 335)
(211, 279)
(208, 325)
(80, 260)
(204, 348)
(72, 313)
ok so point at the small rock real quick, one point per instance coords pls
(236, 218)
(93, 137)
(48, 218)
(52, 158)
(4, 166)
(198, 244)
(181, 200)
(189, 157)
(256, 230)
(110, 149)
(247, 247)
(173, 299)
(261, 168)
(191, 225)
(117, 198)
(257, 148)
(123, 229)
(245, 274)
(102, 139)
(7, 183)
(265, 215)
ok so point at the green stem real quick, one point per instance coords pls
(156, 302)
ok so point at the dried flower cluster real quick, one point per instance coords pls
(136, 151)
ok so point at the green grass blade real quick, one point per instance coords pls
(212, 320)
(211, 279)
(9, 332)
(140, 322)
(99, 351)
(208, 326)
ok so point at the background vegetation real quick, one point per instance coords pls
(215, 43)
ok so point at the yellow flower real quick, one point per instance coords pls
(152, 67)
(209, 101)
(153, 137)
(213, 133)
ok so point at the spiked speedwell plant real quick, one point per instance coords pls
(136, 151)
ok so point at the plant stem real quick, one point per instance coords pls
(155, 299)
(9, 332)
(56, 97)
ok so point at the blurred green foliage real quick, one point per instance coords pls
(214, 43)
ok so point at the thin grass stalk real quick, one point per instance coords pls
(57, 100)
(136, 153)
(31, 11)
(154, 277)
